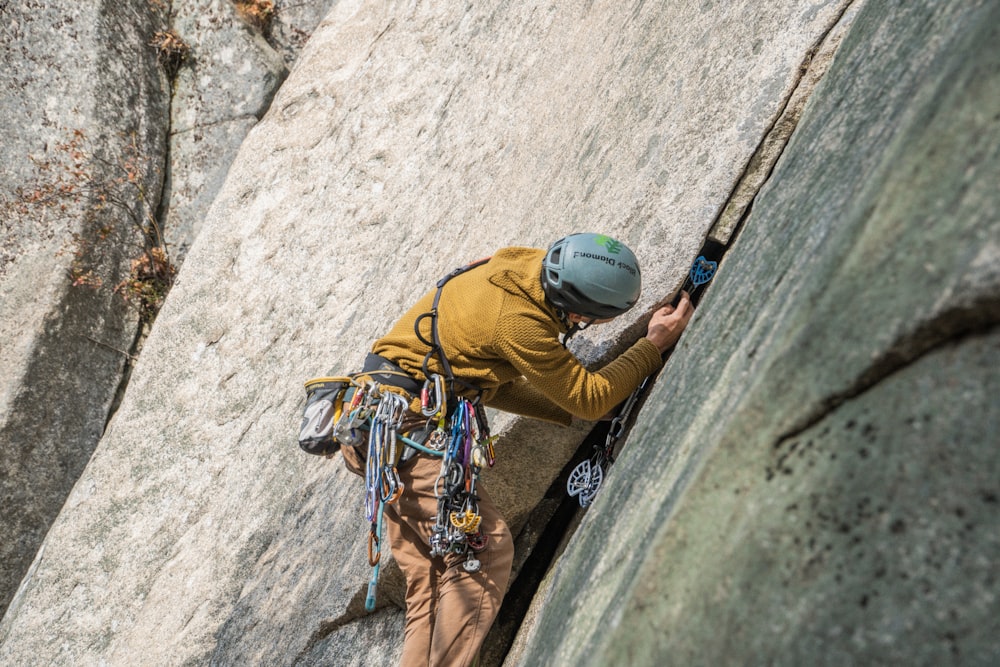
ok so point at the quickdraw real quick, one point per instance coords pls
(357, 412)
(381, 477)
(383, 410)
(586, 478)
(465, 449)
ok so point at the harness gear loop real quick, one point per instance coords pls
(468, 450)
(382, 480)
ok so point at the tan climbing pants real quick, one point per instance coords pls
(448, 610)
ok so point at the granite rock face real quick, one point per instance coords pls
(823, 444)
(93, 80)
(75, 78)
(238, 56)
(222, 89)
(409, 139)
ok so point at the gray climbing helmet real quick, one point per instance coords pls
(591, 275)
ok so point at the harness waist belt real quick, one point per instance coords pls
(394, 376)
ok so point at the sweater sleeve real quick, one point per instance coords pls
(521, 398)
(529, 345)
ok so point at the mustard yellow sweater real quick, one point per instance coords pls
(501, 335)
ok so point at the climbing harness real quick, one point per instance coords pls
(380, 409)
(461, 438)
(586, 478)
(465, 448)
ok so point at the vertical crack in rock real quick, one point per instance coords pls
(131, 357)
(161, 171)
(562, 522)
(761, 164)
(558, 515)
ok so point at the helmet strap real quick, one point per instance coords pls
(575, 327)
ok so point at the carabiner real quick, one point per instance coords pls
(433, 398)
(392, 485)
(374, 550)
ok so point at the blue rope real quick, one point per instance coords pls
(417, 446)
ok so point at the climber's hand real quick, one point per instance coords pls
(668, 323)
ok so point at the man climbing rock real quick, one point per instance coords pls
(494, 334)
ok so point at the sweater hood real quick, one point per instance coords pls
(518, 271)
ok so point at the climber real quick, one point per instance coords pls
(500, 329)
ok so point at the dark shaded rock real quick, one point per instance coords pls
(824, 469)
(83, 76)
